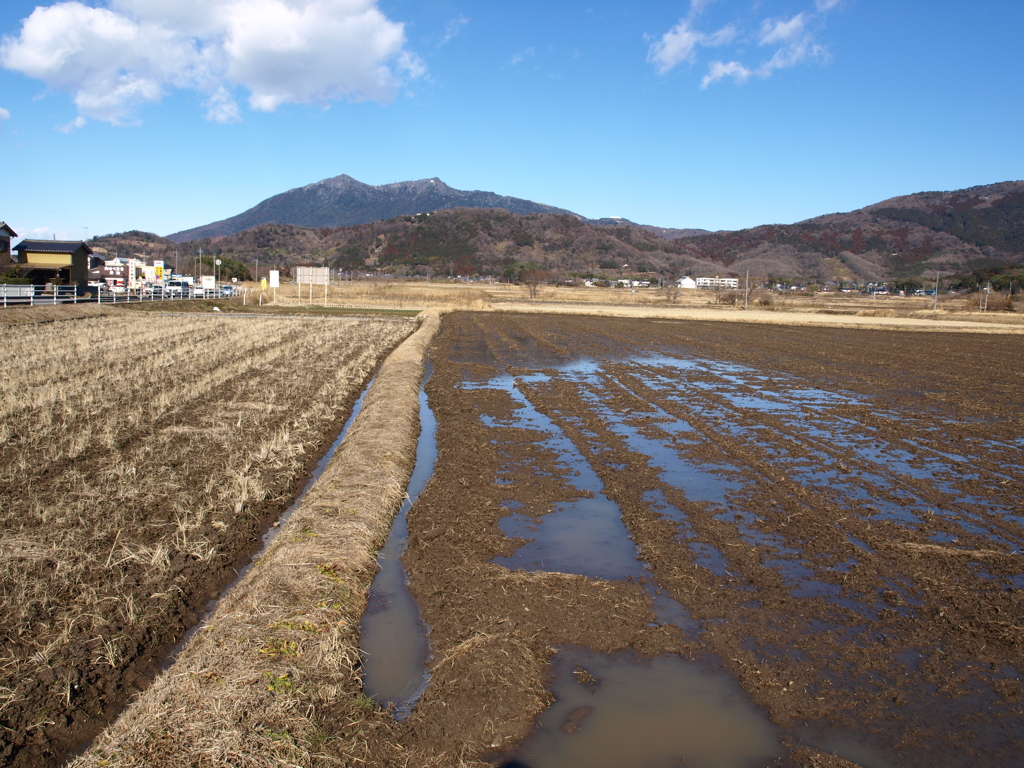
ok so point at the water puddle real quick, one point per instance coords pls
(393, 638)
(268, 537)
(620, 711)
(586, 537)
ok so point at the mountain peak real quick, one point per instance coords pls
(343, 201)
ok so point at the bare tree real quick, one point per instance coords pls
(532, 278)
(671, 290)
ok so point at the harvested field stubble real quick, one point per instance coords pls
(139, 460)
(273, 678)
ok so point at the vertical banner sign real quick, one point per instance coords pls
(263, 283)
(158, 269)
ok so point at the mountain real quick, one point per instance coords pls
(343, 201)
(666, 233)
(901, 237)
(977, 231)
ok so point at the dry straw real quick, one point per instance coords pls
(136, 452)
(273, 677)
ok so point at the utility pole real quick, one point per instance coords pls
(935, 306)
(746, 292)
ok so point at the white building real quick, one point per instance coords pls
(686, 282)
(709, 283)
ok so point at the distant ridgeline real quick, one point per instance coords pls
(999, 225)
(978, 231)
(344, 201)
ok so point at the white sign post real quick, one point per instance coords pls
(313, 275)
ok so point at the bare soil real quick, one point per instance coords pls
(860, 575)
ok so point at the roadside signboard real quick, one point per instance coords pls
(275, 279)
(312, 275)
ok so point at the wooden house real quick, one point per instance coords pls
(6, 233)
(55, 261)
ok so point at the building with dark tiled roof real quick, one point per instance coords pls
(60, 261)
(6, 233)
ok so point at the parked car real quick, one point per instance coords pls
(178, 289)
(155, 291)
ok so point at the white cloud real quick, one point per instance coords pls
(697, 6)
(680, 43)
(795, 41)
(4, 114)
(115, 59)
(221, 107)
(718, 70)
(74, 125)
(452, 29)
(775, 31)
(519, 58)
(792, 38)
(677, 45)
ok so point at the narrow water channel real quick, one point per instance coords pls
(393, 637)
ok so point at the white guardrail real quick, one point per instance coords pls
(19, 295)
(34, 295)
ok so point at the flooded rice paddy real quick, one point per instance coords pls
(826, 523)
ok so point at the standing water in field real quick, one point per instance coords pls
(393, 637)
(619, 710)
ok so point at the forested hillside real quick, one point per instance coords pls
(980, 230)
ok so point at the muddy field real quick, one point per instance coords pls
(140, 460)
(829, 520)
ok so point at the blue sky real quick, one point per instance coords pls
(162, 115)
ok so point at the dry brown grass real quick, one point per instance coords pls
(953, 313)
(273, 678)
(382, 294)
(130, 449)
(12, 316)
